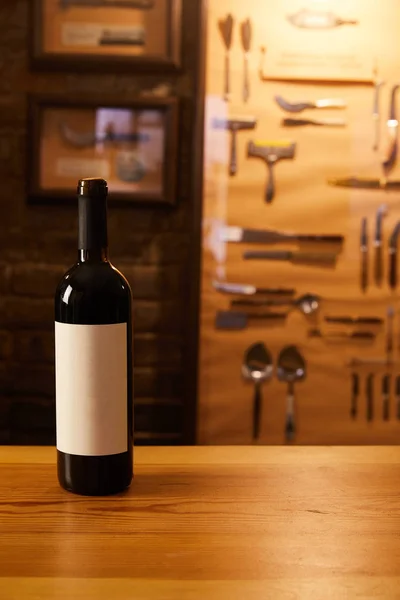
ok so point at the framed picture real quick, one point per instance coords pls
(106, 34)
(133, 145)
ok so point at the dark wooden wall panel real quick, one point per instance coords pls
(37, 244)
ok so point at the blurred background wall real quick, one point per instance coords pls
(38, 243)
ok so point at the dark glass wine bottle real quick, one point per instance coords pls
(94, 360)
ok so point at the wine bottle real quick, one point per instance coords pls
(93, 328)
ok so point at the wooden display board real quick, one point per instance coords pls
(304, 203)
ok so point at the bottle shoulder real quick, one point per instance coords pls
(88, 278)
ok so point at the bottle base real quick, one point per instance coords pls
(95, 475)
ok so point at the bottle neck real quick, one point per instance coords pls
(93, 255)
(93, 236)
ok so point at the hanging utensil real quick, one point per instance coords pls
(390, 333)
(365, 183)
(378, 266)
(307, 304)
(311, 258)
(250, 290)
(342, 335)
(296, 107)
(258, 368)
(392, 128)
(386, 397)
(291, 367)
(236, 321)
(354, 320)
(271, 152)
(370, 397)
(398, 397)
(246, 35)
(318, 19)
(364, 254)
(226, 28)
(270, 236)
(393, 246)
(354, 395)
(376, 115)
(325, 122)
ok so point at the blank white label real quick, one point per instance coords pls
(91, 389)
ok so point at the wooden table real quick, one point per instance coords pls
(206, 523)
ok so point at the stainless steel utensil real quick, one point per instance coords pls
(342, 335)
(393, 249)
(326, 122)
(308, 304)
(318, 19)
(390, 332)
(236, 320)
(376, 115)
(378, 267)
(320, 259)
(364, 255)
(246, 35)
(354, 395)
(392, 128)
(386, 380)
(250, 290)
(271, 236)
(398, 397)
(370, 396)
(291, 367)
(226, 29)
(296, 107)
(258, 368)
(354, 320)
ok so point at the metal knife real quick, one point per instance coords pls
(378, 266)
(328, 122)
(250, 290)
(392, 127)
(355, 320)
(364, 254)
(318, 19)
(378, 83)
(354, 396)
(296, 107)
(270, 236)
(386, 397)
(342, 335)
(294, 257)
(390, 332)
(393, 243)
(398, 397)
(361, 183)
(236, 320)
(370, 397)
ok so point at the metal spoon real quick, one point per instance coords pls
(257, 367)
(307, 304)
(291, 368)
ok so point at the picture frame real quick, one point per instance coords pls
(132, 144)
(87, 35)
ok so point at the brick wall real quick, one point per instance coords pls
(37, 244)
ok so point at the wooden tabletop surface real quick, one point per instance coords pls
(206, 523)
